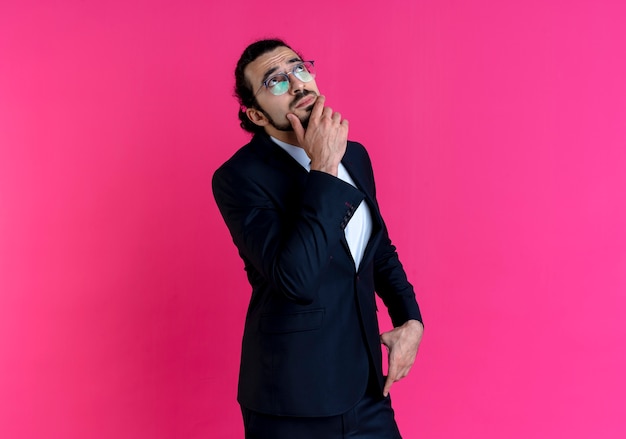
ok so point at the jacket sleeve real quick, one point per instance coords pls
(288, 248)
(392, 285)
(390, 279)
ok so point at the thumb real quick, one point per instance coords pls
(297, 126)
(385, 338)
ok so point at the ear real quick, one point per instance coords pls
(256, 117)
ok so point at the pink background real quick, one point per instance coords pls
(498, 136)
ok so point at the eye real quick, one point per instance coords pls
(276, 80)
(302, 73)
(271, 82)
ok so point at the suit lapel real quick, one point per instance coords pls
(275, 156)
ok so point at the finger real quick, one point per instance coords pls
(328, 112)
(391, 372)
(318, 107)
(388, 383)
(297, 126)
(337, 117)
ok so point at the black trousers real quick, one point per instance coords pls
(371, 418)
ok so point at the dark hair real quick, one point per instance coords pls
(243, 90)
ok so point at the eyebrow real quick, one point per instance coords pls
(269, 72)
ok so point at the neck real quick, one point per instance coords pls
(284, 136)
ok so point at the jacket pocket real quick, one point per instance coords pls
(294, 322)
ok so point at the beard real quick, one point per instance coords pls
(304, 120)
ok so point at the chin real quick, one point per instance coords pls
(305, 120)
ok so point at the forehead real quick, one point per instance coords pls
(274, 61)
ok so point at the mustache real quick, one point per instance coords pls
(301, 96)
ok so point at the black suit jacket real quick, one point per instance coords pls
(311, 332)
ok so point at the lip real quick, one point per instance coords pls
(306, 101)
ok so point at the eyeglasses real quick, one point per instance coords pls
(279, 84)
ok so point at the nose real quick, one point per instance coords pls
(295, 85)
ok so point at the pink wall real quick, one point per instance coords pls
(498, 134)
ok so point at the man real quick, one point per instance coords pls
(300, 203)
